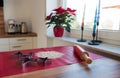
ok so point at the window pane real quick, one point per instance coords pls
(109, 17)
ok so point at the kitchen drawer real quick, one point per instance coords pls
(20, 40)
(20, 46)
(4, 48)
(4, 41)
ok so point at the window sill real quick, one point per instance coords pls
(103, 48)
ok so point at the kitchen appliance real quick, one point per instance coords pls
(15, 27)
(23, 27)
(11, 26)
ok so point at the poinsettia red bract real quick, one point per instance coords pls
(61, 17)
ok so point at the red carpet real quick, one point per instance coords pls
(8, 65)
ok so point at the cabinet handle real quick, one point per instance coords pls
(21, 39)
(17, 46)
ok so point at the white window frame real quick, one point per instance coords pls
(107, 36)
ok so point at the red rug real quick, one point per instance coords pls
(8, 65)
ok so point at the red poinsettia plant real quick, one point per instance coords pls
(61, 17)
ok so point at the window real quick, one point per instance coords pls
(109, 13)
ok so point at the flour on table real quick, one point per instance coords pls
(49, 54)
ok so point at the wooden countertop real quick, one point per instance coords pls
(6, 35)
(101, 68)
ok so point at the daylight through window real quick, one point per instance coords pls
(109, 13)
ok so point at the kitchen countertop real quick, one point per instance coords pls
(6, 35)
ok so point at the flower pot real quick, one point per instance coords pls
(58, 31)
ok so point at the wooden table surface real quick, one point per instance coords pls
(100, 68)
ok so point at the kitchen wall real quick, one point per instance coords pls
(49, 7)
(31, 10)
(18, 10)
(38, 21)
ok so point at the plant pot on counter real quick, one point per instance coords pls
(58, 31)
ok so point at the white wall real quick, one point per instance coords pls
(38, 21)
(50, 5)
(17, 9)
(31, 10)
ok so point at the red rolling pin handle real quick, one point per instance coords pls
(82, 54)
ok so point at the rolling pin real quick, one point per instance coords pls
(82, 54)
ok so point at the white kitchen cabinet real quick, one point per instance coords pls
(20, 40)
(4, 41)
(21, 43)
(4, 44)
(21, 46)
(4, 48)
(17, 43)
